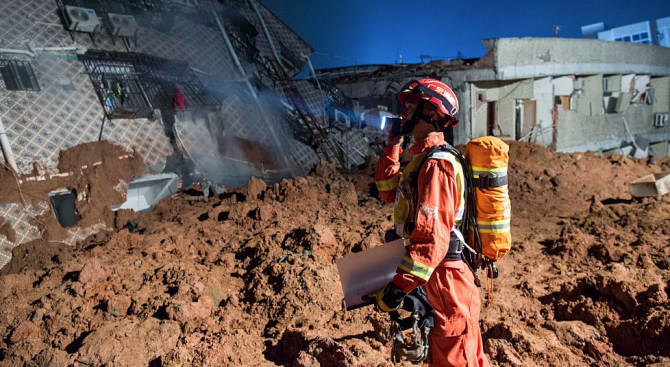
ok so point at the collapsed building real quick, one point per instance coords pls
(567, 94)
(201, 90)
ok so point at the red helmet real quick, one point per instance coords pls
(435, 92)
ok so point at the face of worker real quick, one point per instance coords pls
(421, 127)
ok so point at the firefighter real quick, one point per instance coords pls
(426, 213)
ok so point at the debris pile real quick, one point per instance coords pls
(249, 277)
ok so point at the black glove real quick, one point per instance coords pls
(387, 299)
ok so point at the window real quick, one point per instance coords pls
(131, 85)
(18, 75)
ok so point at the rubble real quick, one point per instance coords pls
(249, 277)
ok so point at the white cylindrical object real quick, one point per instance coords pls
(6, 149)
(47, 49)
(22, 52)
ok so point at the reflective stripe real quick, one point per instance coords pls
(494, 222)
(460, 182)
(504, 230)
(416, 268)
(496, 226)
(485, 171)
(489, 169)
(389, 184)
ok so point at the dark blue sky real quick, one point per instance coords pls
(350, 32)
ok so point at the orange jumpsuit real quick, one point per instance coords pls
(455, 340)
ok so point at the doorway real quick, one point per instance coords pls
(491, 117)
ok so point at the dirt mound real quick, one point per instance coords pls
(249, 277)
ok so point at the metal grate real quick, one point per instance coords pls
(132, 85)
(18, 75)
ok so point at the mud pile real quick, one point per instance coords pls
(249, 278)
(97, 173)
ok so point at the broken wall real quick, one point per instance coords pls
(582, 132)
(67, 112)
(661, 89)
(520, 58)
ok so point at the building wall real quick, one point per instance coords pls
(505, 94)
(579, 132)
(637, 33)
(663, 29)
(67, 112)
(520, 58)
(591, 128)
(661, 88)
(40, 124)
(543, 94)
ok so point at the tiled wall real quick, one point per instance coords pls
(40, 124)
(19, 217)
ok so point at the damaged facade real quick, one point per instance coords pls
(568, 94)
(202, 86)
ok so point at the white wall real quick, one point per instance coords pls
(543, 93)
(628, 31)
(663, 29)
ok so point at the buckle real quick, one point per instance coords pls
(485, 181)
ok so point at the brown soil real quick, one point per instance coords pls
(98, 169)
(7, 230)
(249, 279)
(247, 151)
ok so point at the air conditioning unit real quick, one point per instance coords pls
(122, 25)
(84, 19)
(660, 119)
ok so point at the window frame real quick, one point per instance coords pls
(19, 80)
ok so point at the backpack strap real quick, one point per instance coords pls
(456, 241)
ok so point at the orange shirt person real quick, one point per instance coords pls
(426, 214)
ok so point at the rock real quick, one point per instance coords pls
(52, 357)
(503, 351)
(575, 333)
(128, 343)
(182, 311)
(118, 305)
(326, 243)
(256, 187)
(326, 170)
(91, 272)
(25, 331)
